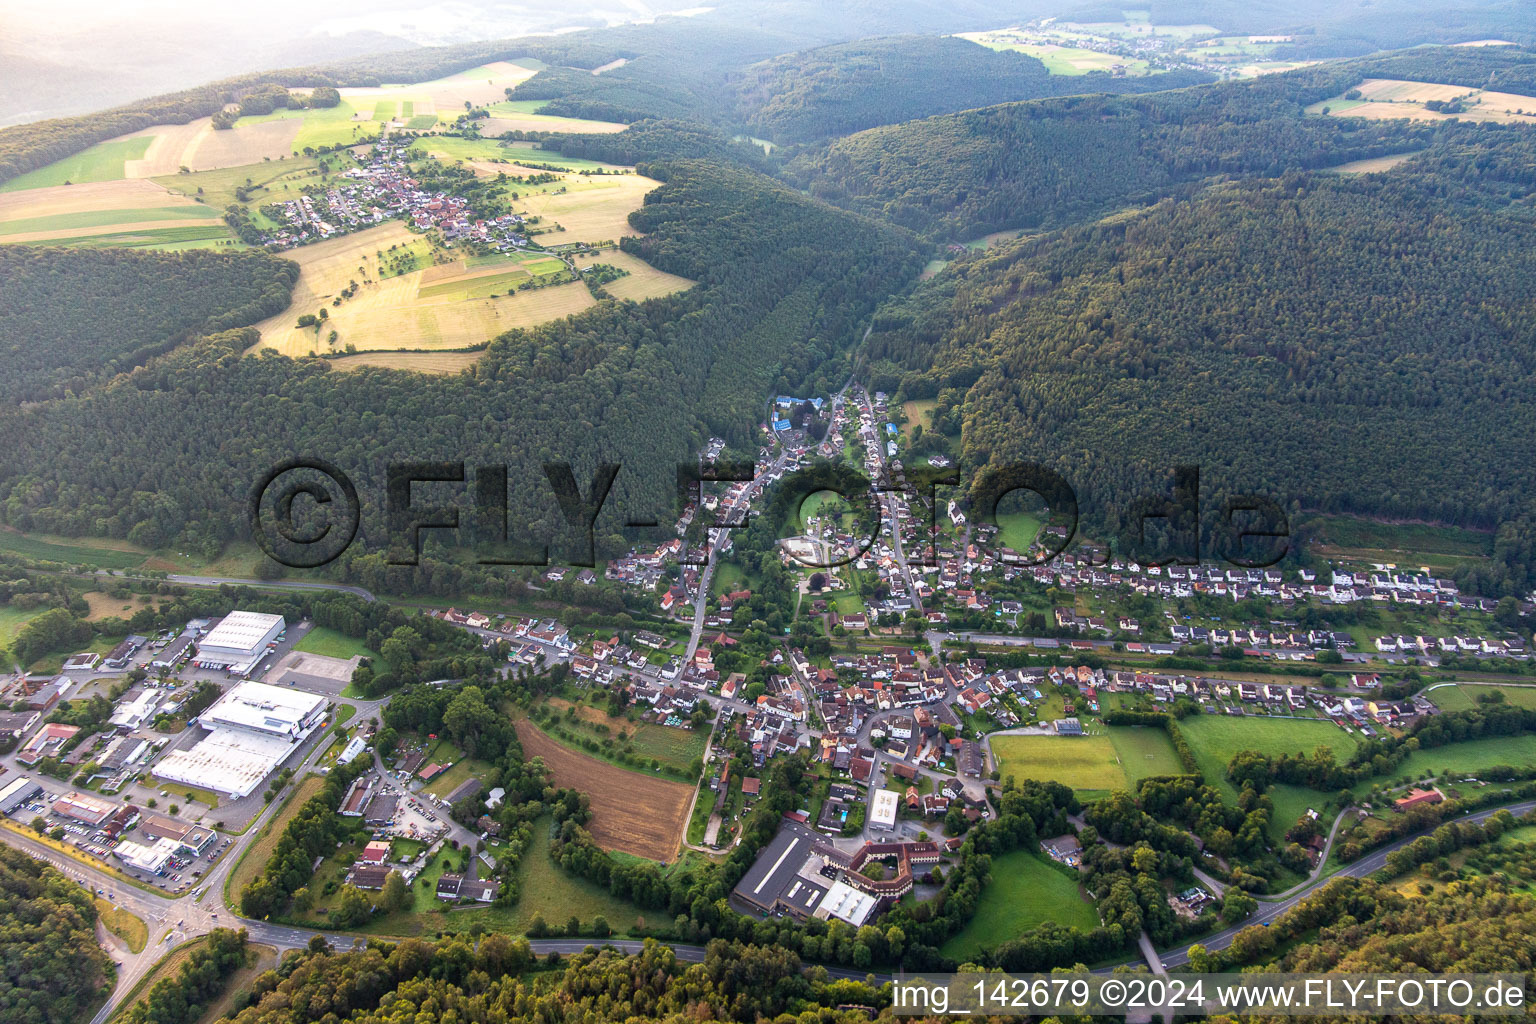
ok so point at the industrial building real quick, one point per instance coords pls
(17, 792)
(252, 729)
(882, 812)
(239, 641)
(84, 808)
(148, 857)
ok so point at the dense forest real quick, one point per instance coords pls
(73, 316)
(1297, 337)
(170, 453)
(52, 971)
(837, 90)
(1047, 163)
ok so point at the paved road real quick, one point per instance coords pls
(1366, 865)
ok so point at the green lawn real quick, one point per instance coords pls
(1082, 762)
(1025, 891)
(102, 162)
(1144, 751)
(465, 769)
(674, 748)
(1017, 530)
(328, 642)
(384, 110)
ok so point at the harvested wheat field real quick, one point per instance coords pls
(500, 123)
(1391, 99)
(169, 148)
(249, 143)
(593, 208)
(631, 812)
(416, 362)
(131, 194)
(394, 313)
(644, 281)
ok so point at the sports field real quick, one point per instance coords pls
(1025, 891)
(1144, 751)
(1082, 762)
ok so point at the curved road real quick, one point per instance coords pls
(1369, 864)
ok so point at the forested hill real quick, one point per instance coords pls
(785, 285)
(836, 90)
(1360, 344)
(1049, 163)
(69, 317)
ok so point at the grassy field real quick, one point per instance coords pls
(102, 554)
(464, 769)
(1463, 696)
(415, 362)
(11, 621)
(1144, 751)
(266, 181)
(643, 282)
(332, 644)
(124, 924)
(550, 891)
(1216, 738)
(256, 855)
(60, 228)
(523, 115)
(514, 152)
(673, 748)
(1463, 759)
(1017, 530)
(1082, 762)
(1374, 165)
(101, 162)
(1410, 545)
(1025, 891)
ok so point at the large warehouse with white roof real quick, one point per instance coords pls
(252, 729)
(239, 641)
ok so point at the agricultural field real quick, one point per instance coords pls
(523, 115)
(389, 313)
(591, 209)
(631, 812)
(1081, 762)
(1387, 98)
(1025, 891)
(482, 277)
(108, 212)
(95, 552)
(644, 281)
(102, 162)
(1075, 57)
